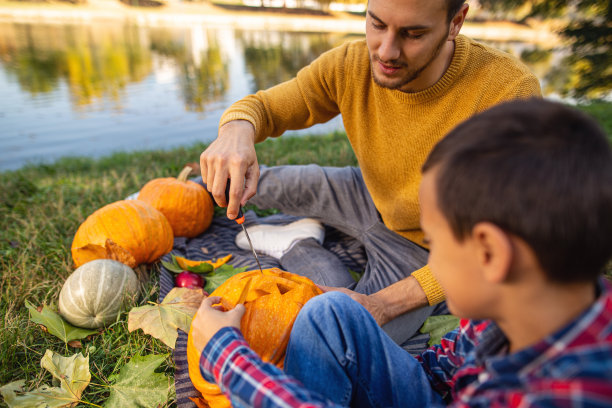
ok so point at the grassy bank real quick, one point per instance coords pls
(40, 210)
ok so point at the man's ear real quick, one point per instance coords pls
(494, 251)
(457, 22)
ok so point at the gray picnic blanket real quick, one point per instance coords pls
(218, 241)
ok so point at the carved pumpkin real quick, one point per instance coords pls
(272, 301)
(96, 292)
(185, 203)
(132, 225)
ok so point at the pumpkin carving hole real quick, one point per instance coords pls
(283, 288)
(260, 292)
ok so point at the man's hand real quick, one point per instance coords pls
(231, 156)
(209, 320)
(374, 305)
(390, 302)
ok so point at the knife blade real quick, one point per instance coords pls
(240, 220)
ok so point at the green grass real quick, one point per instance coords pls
(40, 210)
(602, 112)
(42, 206)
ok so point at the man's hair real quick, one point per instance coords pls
(539, 170)
(453, 7)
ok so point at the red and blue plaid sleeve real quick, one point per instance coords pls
(246, 380)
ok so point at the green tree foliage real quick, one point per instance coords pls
(588, 26)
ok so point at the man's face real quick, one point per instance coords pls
(453, 263)
(405, 39)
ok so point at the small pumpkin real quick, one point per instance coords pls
(96, 292)
(131, 225)
(272, 299)
(186, 204)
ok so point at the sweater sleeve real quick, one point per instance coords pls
(429, 284)
(309, 98)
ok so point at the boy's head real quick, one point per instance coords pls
(532, 173)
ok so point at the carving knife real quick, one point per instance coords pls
(240, 220)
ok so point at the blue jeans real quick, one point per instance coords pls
(337, 349)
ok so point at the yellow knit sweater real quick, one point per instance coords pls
(390, 131)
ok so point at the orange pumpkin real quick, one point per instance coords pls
(272, 300)
(132, 225)
(185, 203)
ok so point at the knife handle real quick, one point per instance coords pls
(240, 217)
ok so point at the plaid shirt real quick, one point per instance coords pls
(470, 368)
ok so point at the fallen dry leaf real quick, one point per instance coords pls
(162, 320)
(72, 374)
(75, 344)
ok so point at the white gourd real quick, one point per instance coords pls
(96, 292)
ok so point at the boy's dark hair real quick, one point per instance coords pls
(539, 170)
(453, 7)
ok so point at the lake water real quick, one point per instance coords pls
(93, 89)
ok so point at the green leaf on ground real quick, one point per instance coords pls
(220, 275)
(201, 268)
(73, 376)
(173, 266)
(138, 385)
(56, 325)
(161, 320)
(438, 326)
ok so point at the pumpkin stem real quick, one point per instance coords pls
(184, 173)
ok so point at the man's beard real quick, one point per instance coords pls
(411, 75)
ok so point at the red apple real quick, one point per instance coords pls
(188, 279)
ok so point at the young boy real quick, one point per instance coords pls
(516, 205)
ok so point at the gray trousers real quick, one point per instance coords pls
(338, 197)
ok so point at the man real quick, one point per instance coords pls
(400, 91)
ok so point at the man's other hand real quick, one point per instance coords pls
(373, 304)
(231, 156)
(390, 302)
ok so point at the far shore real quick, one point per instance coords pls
(190, 14)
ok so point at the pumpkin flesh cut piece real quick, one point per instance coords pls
(187, 263)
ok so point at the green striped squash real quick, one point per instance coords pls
(96, 292)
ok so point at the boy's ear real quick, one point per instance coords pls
(494, 251)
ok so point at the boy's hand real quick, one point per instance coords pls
(209, 320)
